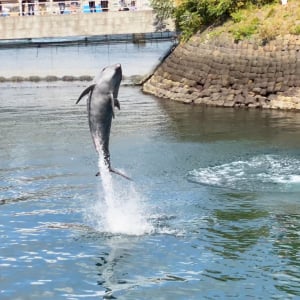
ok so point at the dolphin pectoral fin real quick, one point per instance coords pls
(112, 104)
(119, 173)
(86, 91)
(117, 103)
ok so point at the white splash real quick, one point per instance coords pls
(263, 172)
(119, 209)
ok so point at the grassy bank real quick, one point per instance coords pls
(265, 23)
(241, 18)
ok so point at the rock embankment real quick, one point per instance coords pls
(219, 72)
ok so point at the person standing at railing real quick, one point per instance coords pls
(132, 5)
(61, 5)
(23, 7)
(104, 5)
(30, 7)
(92, 6)
(42, 7)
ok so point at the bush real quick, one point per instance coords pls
(190, 23)
(296, 30)
(245, 30)
(164, 10)
(267, 32)
(193, 15)
(237, 16)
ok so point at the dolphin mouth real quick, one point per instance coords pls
(118, 69)
(116, 66)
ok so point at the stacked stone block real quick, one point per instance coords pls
(220, 72)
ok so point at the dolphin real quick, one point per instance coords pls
(101, 103)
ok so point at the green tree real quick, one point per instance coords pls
(164, 10)
(193, 15)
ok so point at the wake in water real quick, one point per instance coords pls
(119, 208)
(272, 173)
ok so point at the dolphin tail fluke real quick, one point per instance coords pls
(121, 174)
(118, 173)
(86, 91)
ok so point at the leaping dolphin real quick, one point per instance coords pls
(102, 99)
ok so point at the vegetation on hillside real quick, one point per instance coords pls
(267, 18)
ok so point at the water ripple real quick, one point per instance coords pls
(204, 243)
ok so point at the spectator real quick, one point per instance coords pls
(132, 5)
(42, 7)
(61, 5)
(23, 7)
(123, 6)
(92, 6)
(30, 7)
(122, 3)
(104, 5)
(74, 7)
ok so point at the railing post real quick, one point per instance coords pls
(51, 6)
(20, 8)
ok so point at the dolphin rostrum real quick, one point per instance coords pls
(102, 99)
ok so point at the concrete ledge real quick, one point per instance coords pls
(128, 22)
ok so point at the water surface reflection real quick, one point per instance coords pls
(210, 124)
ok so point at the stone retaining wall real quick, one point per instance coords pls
(219, 72)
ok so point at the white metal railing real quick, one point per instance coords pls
(12, 8)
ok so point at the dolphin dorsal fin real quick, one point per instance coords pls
(86, 91)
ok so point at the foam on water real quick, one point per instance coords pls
(119, 209)
(259, 173)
